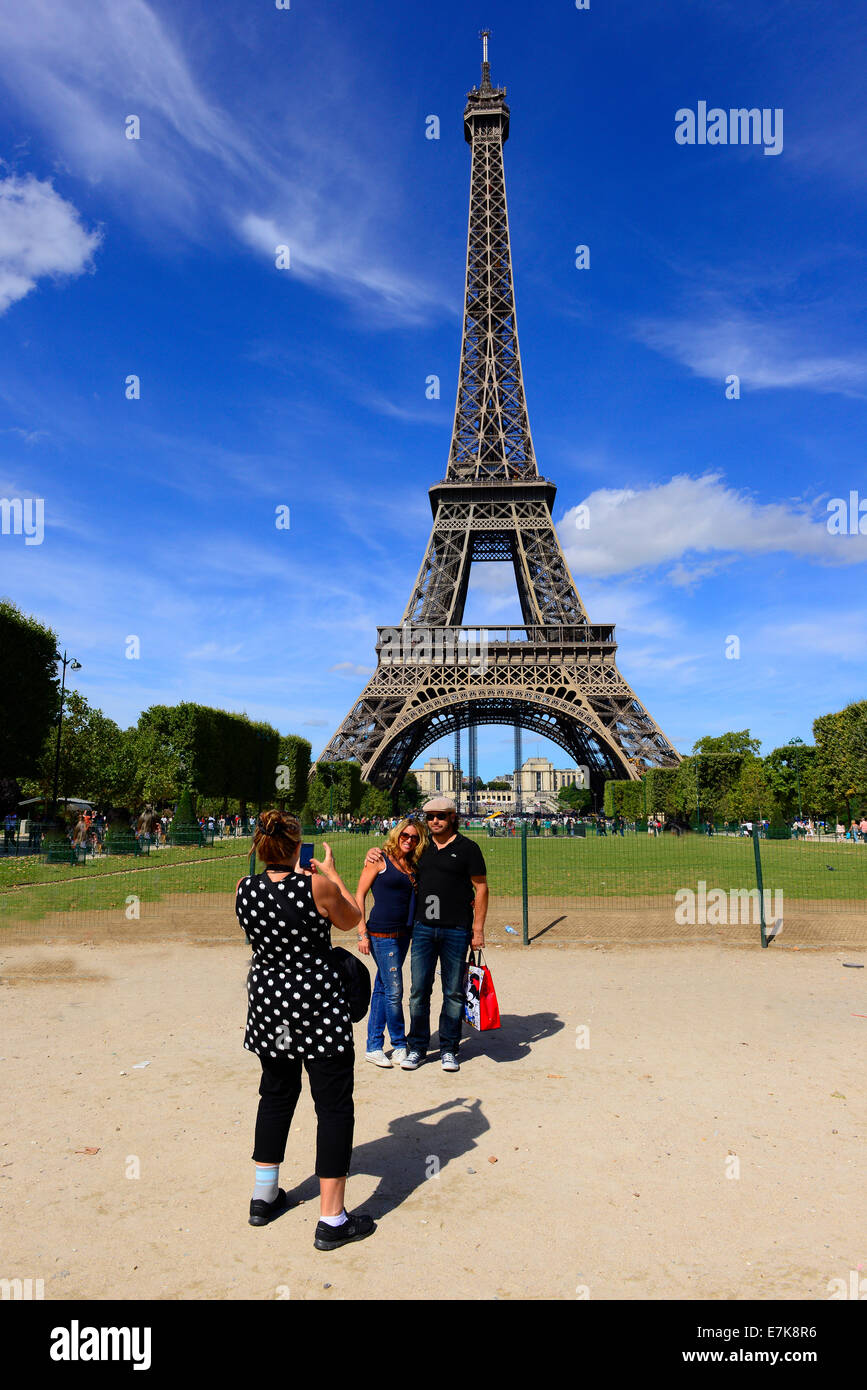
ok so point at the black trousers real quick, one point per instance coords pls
(331, 1080)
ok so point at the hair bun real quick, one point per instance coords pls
(279, 823)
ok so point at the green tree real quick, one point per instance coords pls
(704, 781)
(293, 768)
(211, 751)
(659, 785)
(573, 798)
(623, 798)
(784, 767)
(375, 802)
(335, 785)
(840, 768)
(29, 690)
(409, 797)
(751, 797)
(728, 743)
(97, 759)
(184, 822)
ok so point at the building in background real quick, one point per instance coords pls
(540, 783)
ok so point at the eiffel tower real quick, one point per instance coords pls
(555, 675)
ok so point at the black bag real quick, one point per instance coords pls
(355, 979)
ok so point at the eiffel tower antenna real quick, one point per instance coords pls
(484, 35)
(555, 674)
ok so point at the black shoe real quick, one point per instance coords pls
(263, 1212)
(355, 1227)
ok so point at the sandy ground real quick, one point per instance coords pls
(703, 1138)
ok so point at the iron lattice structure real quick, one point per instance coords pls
(556, 675)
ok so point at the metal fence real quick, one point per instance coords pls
(596, 889)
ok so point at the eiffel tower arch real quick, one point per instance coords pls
(555, 674)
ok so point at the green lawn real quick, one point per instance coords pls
(633, 867)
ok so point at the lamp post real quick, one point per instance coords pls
(73, 666)
(697, 806)
(796, 743)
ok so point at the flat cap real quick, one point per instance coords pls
(439, 803)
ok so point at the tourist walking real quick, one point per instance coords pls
(298, 1018)
(387, 934)
(451, 906)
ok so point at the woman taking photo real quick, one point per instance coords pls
(298, 1017)
(388, 933)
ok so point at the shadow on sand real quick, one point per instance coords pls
(401, 1159)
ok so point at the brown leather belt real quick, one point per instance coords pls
(387, 935)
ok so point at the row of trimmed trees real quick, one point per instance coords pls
(224, 761)
(725, 778)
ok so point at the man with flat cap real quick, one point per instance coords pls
(451, 905)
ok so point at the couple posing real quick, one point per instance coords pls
(431, 890)
(298, 1016)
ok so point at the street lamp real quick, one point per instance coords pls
(73, 666)
(697, 806)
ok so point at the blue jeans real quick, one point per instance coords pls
(448, 945)
(386, 1001)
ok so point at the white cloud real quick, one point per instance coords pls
(41, 234)
(632, 529)
(763, 354)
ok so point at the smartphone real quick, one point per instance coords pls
(305, 856)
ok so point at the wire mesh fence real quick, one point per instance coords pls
(597, 889)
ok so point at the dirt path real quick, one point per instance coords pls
(678, 1123)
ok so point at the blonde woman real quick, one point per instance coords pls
(387, 934)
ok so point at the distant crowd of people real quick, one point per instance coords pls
(153, 827)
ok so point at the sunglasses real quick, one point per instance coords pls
(406, 836)
(436, 815)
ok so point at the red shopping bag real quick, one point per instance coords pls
(481, 1009)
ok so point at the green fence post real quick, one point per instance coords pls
(524, 882)
(252, 867)
(759, 882)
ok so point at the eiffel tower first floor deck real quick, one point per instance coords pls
(586, 707)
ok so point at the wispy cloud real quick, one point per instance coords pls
(764, 354)
(79, 71)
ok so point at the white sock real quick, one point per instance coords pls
(267, 1184)
(335, 1220)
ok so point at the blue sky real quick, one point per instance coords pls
(305, 386)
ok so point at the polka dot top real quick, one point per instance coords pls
(295, 1003)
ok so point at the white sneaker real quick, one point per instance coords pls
(449, 1061)
(378, 1058)
(398, 1056)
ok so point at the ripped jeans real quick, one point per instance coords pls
(386, 1003)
